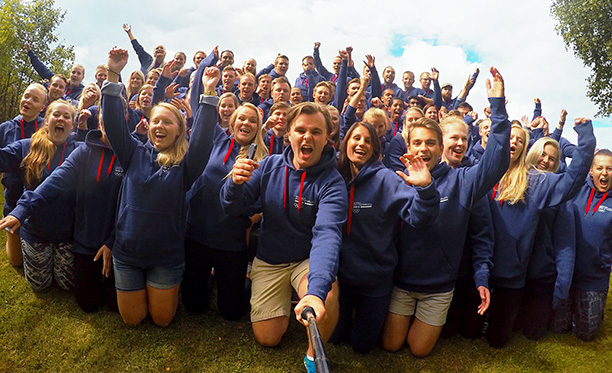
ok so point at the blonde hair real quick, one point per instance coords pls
(81, 103)
(41, 148)
(175, 153)
(377, 114)
(128, 84)
(262, 149)
(447, 122)
(406, 125)
(513, 184)
(537, 149)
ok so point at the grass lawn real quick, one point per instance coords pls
(48, 332)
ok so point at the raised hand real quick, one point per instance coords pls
(577, 121)
(26, 45)
(369, 62)
(84, 114)
(435, 74)
(117, 59)
(127, 28)
(170, 91)
(343, 54)
(317, 45)
(167, 70)
(562, 118)
(495, 89)
(142, 128)
(210, 78)
(418, 173)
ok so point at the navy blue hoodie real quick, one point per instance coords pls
(379, 199)
(54, 222)
(11, 131)
(73, 93)
(206, 221)
(593, 212)
(92, 174)
(429, 257)
(303, 210)
(151, 216)
(275, 144)
(515, 225)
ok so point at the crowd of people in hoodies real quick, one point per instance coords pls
(399, 214)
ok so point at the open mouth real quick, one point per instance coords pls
(541, 166)
(306, 150)
(603, 181)
(59, 130)
(360, 152)
(160, 136)
(512, 149)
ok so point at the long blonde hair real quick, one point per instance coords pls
(175, 153)
(537, 149)
(513, 184)
(41, 148)
(128, 84)
(262, 149)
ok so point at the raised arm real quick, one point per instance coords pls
(115, 123)
(496, 158)
(146, 60)
(37, 64)
(203, 129)
(318, 64)
(340, 95)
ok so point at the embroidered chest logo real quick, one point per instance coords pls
(305, 202)
(118, 171)
(603, 208)
(358, 206)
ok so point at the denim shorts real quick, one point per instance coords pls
(132, 278)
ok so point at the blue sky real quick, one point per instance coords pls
(455, 37)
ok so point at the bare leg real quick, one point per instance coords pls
(162, 304)
(268, 333)
(394, 331)
(132, 306)
(422, 338)
(13, 249)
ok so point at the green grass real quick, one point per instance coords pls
(48, 332)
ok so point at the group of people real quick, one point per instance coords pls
(393, 212)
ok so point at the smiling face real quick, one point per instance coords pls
(336, 63)
(517, 143)
(136, 81)
(227, 58)
(245, 125)
(164, 128)
(32, 102)
(408, 80)
(59, 121)
(483, 130)
(601, 172)
(389, 75)
(247, 86)
(397, 108)
(57, 88)
(279, 118)
(322, 95)
(101, 76)
(307, 136)
(198, 57)
(76, 75)
(296, 96)
(90, 94)
(379, 124)
(455, 140)
(159, 53)
(447, 93)
(425, 81)
(179, 61)
(424, 143)
(359, 147)
(152, 77)
(548, 158)
(432, 113)
(264, 84)
(250, 65)
(227, 106)
(228, 78)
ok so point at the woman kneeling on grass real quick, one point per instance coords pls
(148, 252)
(46, 236)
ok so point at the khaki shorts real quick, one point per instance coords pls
(428, 308)
(271, 288)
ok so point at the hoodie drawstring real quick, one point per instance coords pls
(350, 211)
(23, 129)
(271, 143)
(501, 201)
(588, 206)
(229, 151)
(61, 159)
(299, 195)
(110, 166)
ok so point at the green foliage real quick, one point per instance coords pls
(586, 28)
(33, 22)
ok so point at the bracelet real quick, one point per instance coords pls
(209, 93)
(111, 71)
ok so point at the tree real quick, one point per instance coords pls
(586, 27)
(33, 22)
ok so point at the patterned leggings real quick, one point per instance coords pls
(42, 262)
(582, 313)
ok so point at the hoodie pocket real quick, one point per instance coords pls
(141, 231)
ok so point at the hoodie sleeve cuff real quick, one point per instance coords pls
(428, 192)
(111, 89)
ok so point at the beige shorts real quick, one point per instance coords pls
(271, 288)
(428, 308)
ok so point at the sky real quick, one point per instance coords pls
(517, 37)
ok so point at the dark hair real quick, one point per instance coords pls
(59, 76)
(344, 164)
(227, 50)
(279, 105)
(465, 105)
(415, 97)
(603, 152)
(280, 79)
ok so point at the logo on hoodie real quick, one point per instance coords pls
(305, 202)
(603, 208)
(357, 206)
(118, 171)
